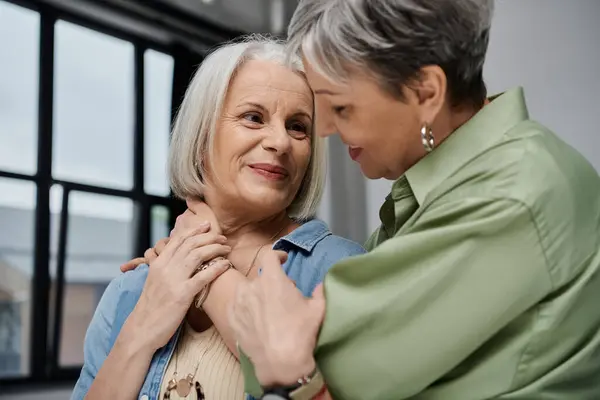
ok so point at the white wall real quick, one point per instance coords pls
(552, 49)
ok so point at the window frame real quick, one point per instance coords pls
(46, 315)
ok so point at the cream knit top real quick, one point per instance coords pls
(218, 373)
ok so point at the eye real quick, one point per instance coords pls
(298, 129)
(340, 111)
(254, 117)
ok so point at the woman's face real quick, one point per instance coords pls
(262, 146)
(382, 133)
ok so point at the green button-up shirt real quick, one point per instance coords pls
(482, 281)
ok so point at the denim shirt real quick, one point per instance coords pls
(312, 249)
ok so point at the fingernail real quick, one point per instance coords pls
(223, 264)
(205, 224)
(222, 239)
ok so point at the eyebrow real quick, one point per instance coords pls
(255, 105)
(264, 109)
(325, 91)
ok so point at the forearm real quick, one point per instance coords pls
(216, 305)
(123, 372)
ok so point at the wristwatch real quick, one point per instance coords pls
(306, 388)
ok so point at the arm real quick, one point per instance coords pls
(170, 287)
(218, 303)
(222, 290)
(429, 298)
(124, 370)
(404, 315)
(97, 339)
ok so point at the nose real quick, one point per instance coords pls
(324, 124)
(277, 140)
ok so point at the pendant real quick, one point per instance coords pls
(184, 389)
(184, 386)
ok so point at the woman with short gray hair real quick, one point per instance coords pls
(483, 279)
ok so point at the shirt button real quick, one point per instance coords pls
(144, 397)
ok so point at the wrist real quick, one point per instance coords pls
(308, 387)
(134, 339)
(288, 371)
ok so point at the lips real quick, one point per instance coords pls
(354, 152)
(270, 171)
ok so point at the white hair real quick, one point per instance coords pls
(393, 39)
(196, 122)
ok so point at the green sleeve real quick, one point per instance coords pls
(251, 384)
(403, 315)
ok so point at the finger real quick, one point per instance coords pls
(177, 240)
(201, 240)
(194, 204)
(201, 255)
(283, 256)
(160, 245)
(271, 266)
(187, 220)
(317, 304)
(206, 276)
(132, 264)
(319, 293)
(150, 255)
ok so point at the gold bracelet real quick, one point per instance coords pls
(201, 297)
(311, 386)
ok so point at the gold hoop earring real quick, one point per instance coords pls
(427, 138)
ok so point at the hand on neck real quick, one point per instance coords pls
(248, 228)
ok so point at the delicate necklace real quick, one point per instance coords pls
(183, 387)
(260, 248)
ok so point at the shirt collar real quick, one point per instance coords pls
(305, 237)
(473, 138)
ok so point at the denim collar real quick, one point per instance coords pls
(305, 237)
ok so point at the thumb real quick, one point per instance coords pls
(193, 203)
(317, 301)
(319, 293)
(283, 256)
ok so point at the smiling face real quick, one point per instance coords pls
(262, 145)
(382, 132)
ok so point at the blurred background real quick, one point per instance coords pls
(88, 89)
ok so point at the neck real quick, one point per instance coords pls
(242, 229)
(457, 118)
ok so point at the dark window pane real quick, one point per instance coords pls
(158, 82)
(93, 107)
(19, 54)
(17, 204)
(99, 239)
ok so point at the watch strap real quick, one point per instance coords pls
(307, 388)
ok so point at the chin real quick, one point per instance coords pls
(371, 172)
(270, 203)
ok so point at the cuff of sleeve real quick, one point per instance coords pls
(251, 384)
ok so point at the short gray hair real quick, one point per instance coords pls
(196, 122)
(393, 39)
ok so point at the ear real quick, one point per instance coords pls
(431, 91)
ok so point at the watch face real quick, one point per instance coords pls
(271, 396)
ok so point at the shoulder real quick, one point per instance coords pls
(313, 250)
(337, 247)
(550, 183)
(314, 239)
(119, 298)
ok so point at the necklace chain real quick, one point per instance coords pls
(260, 248)
(174, 382)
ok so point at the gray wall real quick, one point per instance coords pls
(552, 49)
